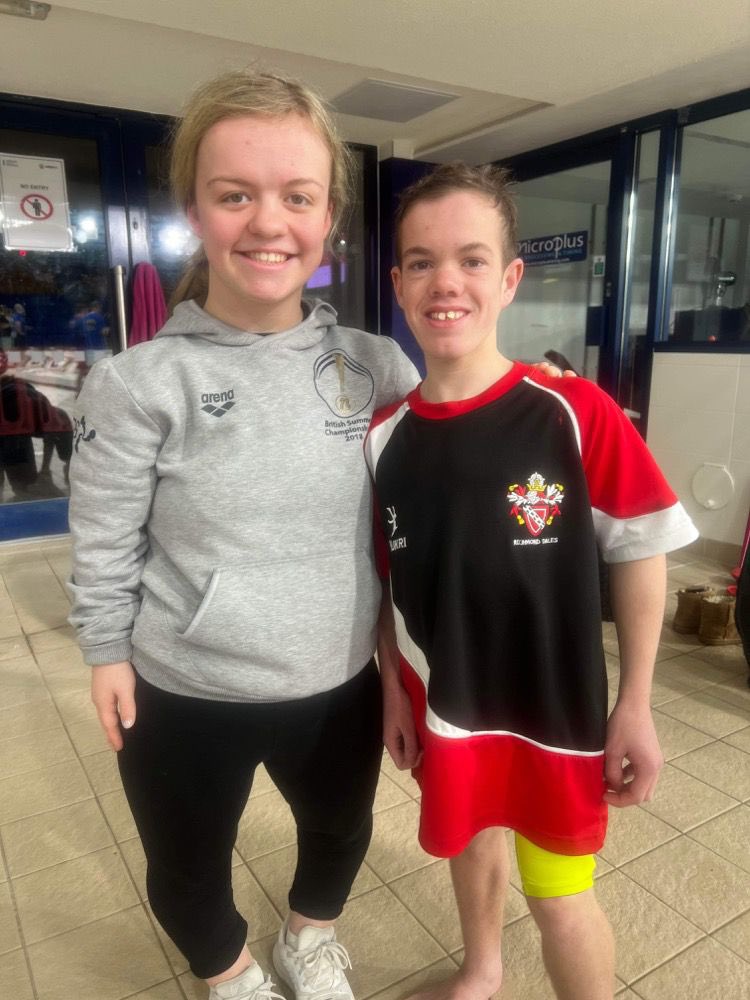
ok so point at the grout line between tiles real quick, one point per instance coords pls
(672, 957)
(116, 845)
(262, 888)
(446, 953)
(693, 944)
(702, 934)
(415, 972)
(172, 979)
(17, 915)
(86, 923)
(153, 924)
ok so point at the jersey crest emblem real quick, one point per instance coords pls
(535, 504)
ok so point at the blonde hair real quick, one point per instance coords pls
(236, 95)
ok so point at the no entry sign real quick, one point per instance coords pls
(37, 206)
(34, 203)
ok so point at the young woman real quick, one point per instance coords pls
(223, 584)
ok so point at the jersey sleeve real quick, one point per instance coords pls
(636, 513)
(112, 478)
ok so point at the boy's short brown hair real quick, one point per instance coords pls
(494, 182)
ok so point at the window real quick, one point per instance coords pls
(711, 278)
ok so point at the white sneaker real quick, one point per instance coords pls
(315, 969)
(249, 985)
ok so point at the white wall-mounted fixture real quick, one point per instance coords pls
(713, 486)
(25, 8)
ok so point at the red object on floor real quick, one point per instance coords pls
(732, 590)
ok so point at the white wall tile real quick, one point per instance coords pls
(743, 389)
(737, 513)
(693, 358)
(700, 412)
(679, 467)
(704, 434)
(741, 437)
(699, 387)
(725, 525)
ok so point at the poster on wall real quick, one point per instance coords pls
(560, 248)
(34, 209)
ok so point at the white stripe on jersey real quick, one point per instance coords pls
(563, 401)
(378, 437)
(418, 662)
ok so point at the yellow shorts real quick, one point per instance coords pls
(546, 875)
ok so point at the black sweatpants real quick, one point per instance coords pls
(187, 766)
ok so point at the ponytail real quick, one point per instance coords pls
(194, 282)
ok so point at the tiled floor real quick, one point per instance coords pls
(674, 876)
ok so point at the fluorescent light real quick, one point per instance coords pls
(88, 225)
(25, 8)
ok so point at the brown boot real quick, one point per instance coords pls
(688, 615)
(717, 626)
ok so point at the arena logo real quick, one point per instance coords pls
(226, 399)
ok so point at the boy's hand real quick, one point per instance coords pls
(399, 732)
(631, 734)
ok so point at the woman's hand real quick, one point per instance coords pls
(399, 731)
(113, 694)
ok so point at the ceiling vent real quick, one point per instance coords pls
(389, 102)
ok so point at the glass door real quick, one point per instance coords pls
(575, 208)
(63, 232)
(563, 235)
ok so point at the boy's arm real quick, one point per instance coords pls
(399, 733)
(638, 590)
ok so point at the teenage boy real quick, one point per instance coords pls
(494, 486)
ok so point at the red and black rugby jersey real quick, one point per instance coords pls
(491, 510)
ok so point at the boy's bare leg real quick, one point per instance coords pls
(480, 882)
(577, 946)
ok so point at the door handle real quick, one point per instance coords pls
(119, 276)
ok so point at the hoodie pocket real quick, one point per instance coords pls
(279, 616)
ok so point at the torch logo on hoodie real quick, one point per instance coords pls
(344, 385)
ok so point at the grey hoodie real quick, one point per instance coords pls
(221, 508)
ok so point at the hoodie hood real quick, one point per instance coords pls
(189, 320)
